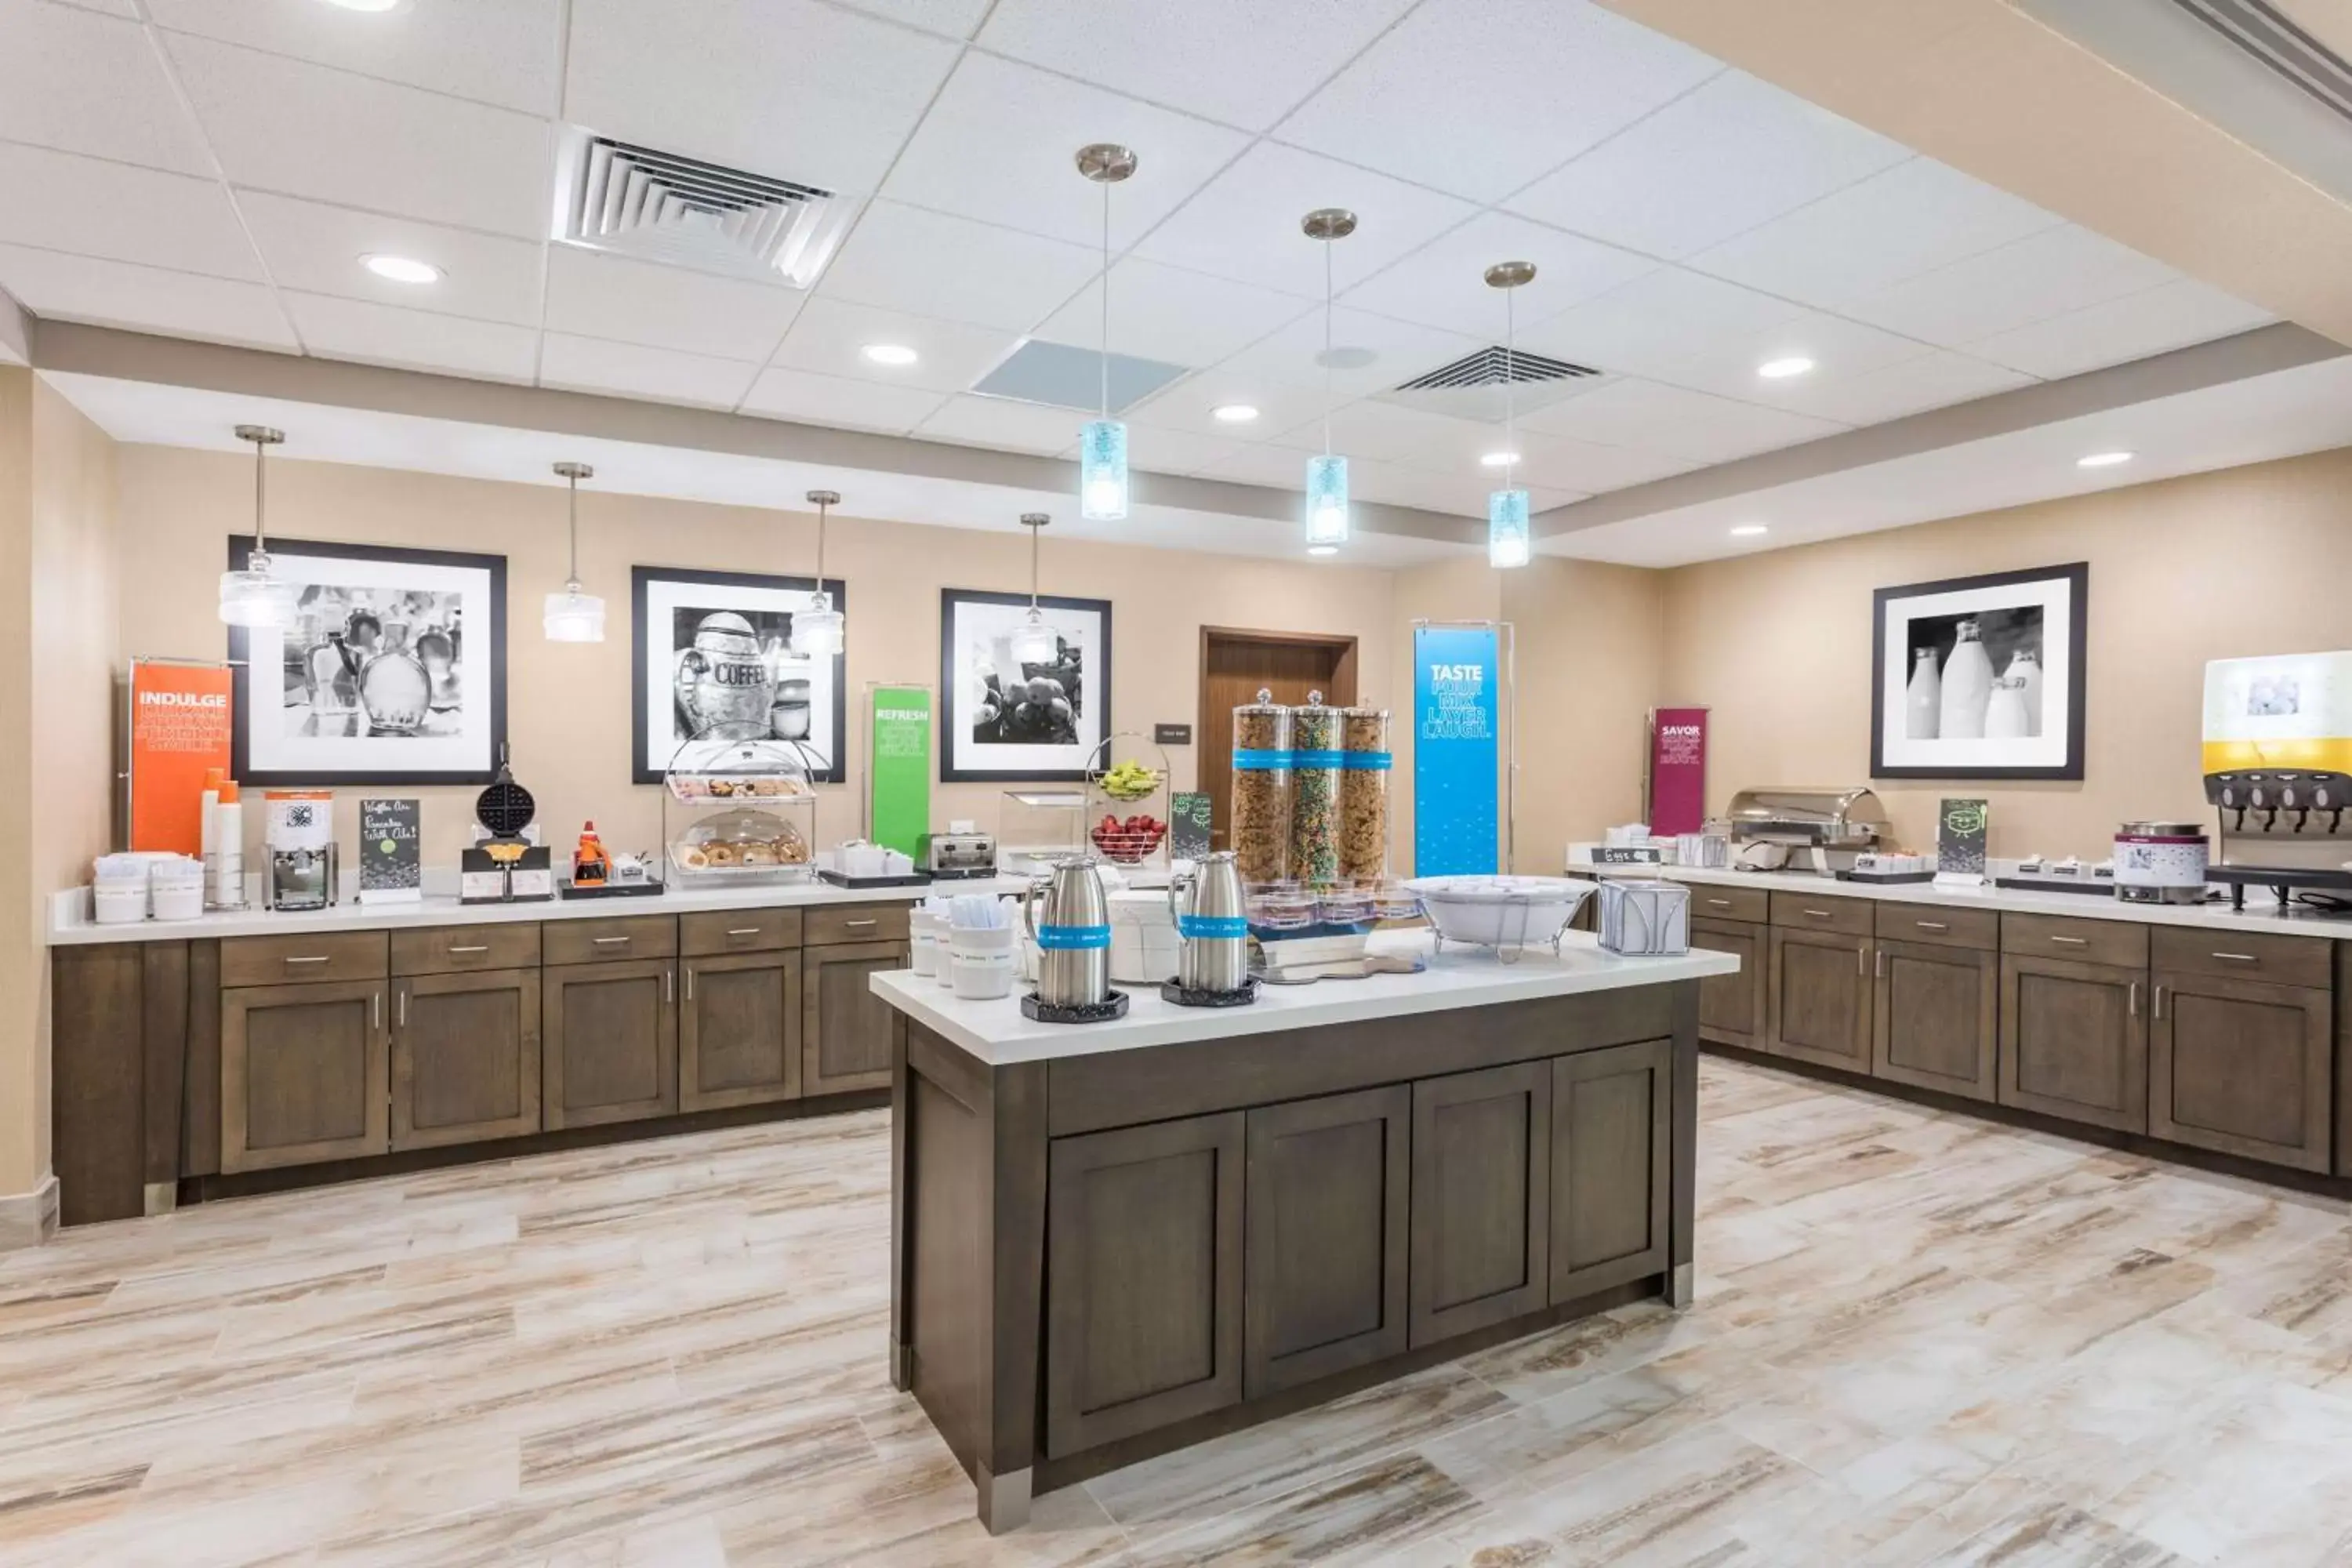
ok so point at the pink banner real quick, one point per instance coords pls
(1677, 770)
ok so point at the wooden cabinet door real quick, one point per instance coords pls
(1937, 1022)
(1732, 1008)
(1481, 1199)
(1325, 1277)
(1609, 1141)
(612, 1042)
(465, 1058)
(739, 1030)
(1819, 993)
(1143, 1289)
(2073, 1040)
(303, 1074)
(2243, 1067)
(845, 1027)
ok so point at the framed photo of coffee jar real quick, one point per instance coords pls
(714, 664)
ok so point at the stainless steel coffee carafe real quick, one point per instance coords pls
(1212, 925)
(1072, 934)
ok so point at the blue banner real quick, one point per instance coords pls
(1456, 760)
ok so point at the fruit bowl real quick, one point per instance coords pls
(1130, 841)
(1130, 781)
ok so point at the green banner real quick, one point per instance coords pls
(901, 776)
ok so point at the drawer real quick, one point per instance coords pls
(2281, 959)
(2119, 942)
(610, 941)
(1806, 911)
(1753, 905)
(463, 950)
(822, 927)
(1938, 924)
(277, 960)
(738, 931)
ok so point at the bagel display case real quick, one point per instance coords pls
(739, 814)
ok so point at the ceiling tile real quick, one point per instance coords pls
(1000, 277)
(832, 400)
(789, 88)
(144, 299)
(92, 207)
(1000, 145)
(1188, 406)
(2048, 274)
(595, 295)
(494, 51)
(1562, 462)
(317, 248)
(1657, 321)
(1839, 349)
(112, 7)
(1244, 225)
(86, 84)
(1925, 380)
(1240, 61)
(1444, 284)
(1649, 416)
(632, 370)
(829, 336)
(307, 131)
(1399, 352)
(1911, 219)
(2133, 326)
(1163, 451)
(997, 422)
(1479, 97)
(1408, 436)
(415, 340)
(1719, 161)
(949, 18)
(1167, 313)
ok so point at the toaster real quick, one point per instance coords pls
(960, 853)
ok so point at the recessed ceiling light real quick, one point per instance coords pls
(1322, 550)
(367, 4)
(1749, 531)
(401, 269)
(889, 353)
(1233, 413)
(1498, 460)
(1782, 369)
(2103, 459)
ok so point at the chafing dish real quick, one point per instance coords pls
(1823, 829)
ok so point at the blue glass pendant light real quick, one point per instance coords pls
(1102, 445)
(1507, 509)
(1327, 476)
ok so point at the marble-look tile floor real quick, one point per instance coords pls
(1918, 1339)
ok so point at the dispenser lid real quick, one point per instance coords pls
(1264, 704)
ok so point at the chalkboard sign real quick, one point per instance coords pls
(1188, 826)
(1961, 826)
(390, 861)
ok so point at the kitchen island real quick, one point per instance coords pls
(1112, 1240)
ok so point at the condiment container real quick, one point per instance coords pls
(980, 960)
(176, 889)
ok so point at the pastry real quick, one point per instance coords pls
(760, 855)
(723, 855)
(691, 857)
(722, 788)
(767, 786)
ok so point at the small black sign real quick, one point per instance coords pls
(1624, 854)
(1961, 838)
(1172, 734)
(1188, 826)
(390, 863)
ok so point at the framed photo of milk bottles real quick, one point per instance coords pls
(715, 664)
(1979, 677)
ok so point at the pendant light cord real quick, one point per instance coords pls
(1510, 389)
(1105, 302)
(572, 513)
(260, 536)
(1034, 531)
(1327, 345)
(821, 509)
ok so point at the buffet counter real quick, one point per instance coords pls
(1112, 1240)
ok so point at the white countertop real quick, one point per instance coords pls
(2263, 911)
(997, 1035)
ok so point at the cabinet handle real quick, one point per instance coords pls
(313, 958)
(2159, 1003)
(1719, 903)
(1816, 914)
(872, 922)
(1878, 964)
(742, 930)
(669, 984)
(1861, 965)
(1931, 925)
(2071, 941)
(608, 941)
(690, 982)
(375, 1010)
(476, 947)
(2238, 957)
(2135, 999)
(400, 1007)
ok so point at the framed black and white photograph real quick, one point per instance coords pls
(714, 663)
(1014, 720)
(394, 670)
(1979, 677)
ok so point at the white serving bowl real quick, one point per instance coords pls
(1501, 912)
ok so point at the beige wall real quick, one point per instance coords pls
(2244, 561)
(24, 1099)
(1590, 663)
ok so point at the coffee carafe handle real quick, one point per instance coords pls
(1029, 909)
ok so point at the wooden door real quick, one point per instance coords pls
(845, 1027)
(612, 1042)
(2243, 1067)
(465, 1058)
(2073, 1040)
(1481, 1199)
(1731, 1008)
(1820, 998)
(303, 1074)
(1235, 665)
(1325, 1276)
(1936, 1020)
(1609, 1141)
(1143, 1290)
(739, 1030)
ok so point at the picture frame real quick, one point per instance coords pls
(1981, 677)
(986, 738)
(737, 665)
(393, 672)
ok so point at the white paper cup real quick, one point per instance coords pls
(984, 977)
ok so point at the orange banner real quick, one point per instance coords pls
(179, 729)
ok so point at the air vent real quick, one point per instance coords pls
(1061, 377)
(2259, 30)
(1472, 387)
(660, 206)
(1493, 366)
